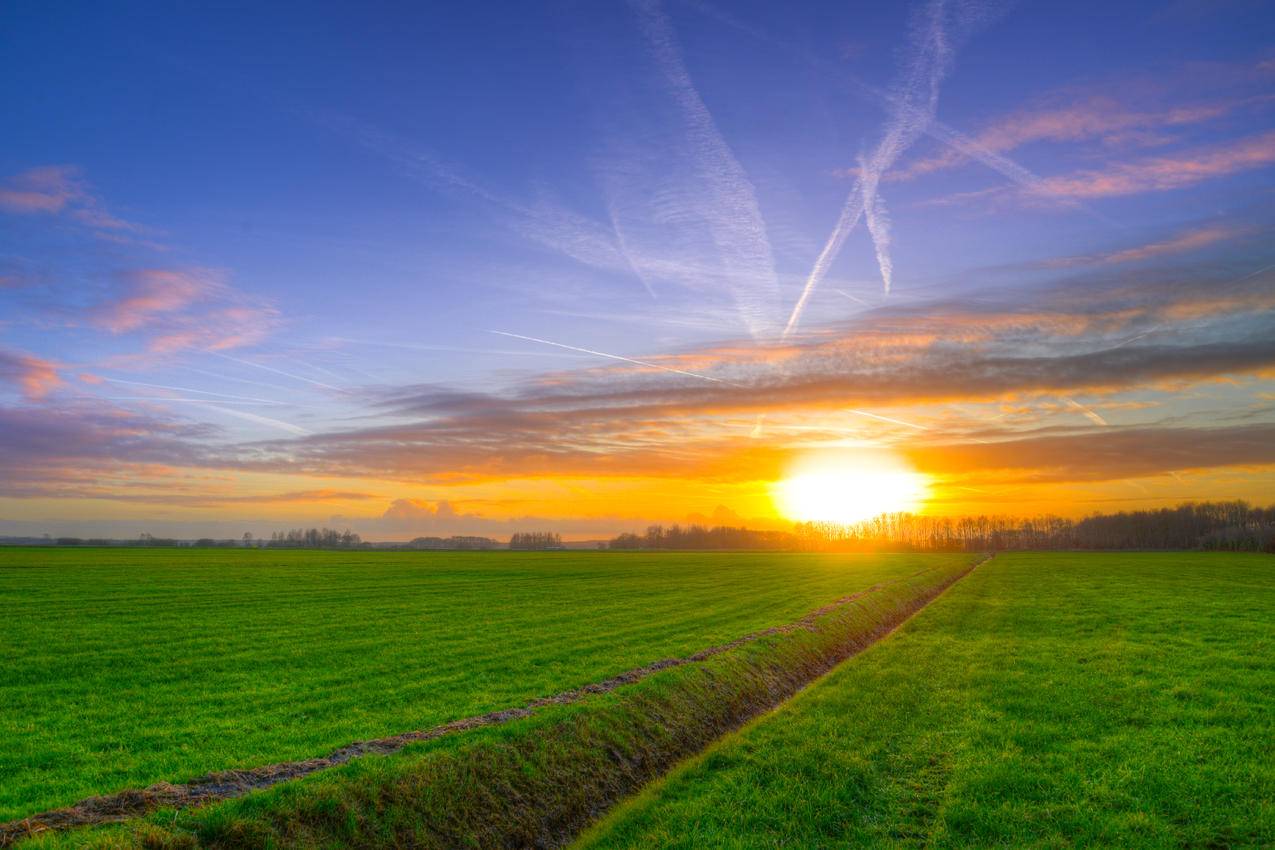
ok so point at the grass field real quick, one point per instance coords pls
(1050, 700)
(120, 668)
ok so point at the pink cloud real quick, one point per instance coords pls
(153, 293)
(182, 309)
(47, 189)
(1157, 174)
(1180, 243)
(35, 376)
(1101, 116)
(59, 189)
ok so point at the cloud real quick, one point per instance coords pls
(34, 376)
(150, 294)
(733, 215)
(184, 308)
(58, 189)
(408, 518)
(173, 494)
(620, 422)
(77, 449)
(1163, 173)
(1178, 170)
(1079, 118)
(1103, 455)
(1082, 337)
(47, 189)
(1180, 243)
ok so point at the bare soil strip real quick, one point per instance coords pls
(223, 785)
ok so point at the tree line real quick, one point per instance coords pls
(314, 538)
(1231, 526)
(529, 540)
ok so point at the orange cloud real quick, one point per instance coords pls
(1101, 454)
(153, 293)
(1158, 174)
(182, 309)
(1180, 243)
(55, 189)
(1095, 117)
(47, 189)
(34, 376)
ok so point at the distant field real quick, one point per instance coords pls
(120, 668)
(1046, 700)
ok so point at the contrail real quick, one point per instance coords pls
(275, 371)
(311, 366)
(853, 298)
(262, 420)
(1091, 415)
(935, 128)
(190, 390)
(1133, 339)
(623, 245)
(735, 218)
(878, 227)
(236, 379)
(888, 419)
(187, 400)
(456, 349)
(646, 363)
(1256, 273)
(904, 111)
(911, 112)
(239, 414)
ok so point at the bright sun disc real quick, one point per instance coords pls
(848, 489)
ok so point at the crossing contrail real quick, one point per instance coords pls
(888, 419)
(646, 363)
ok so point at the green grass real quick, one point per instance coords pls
(1051, 701)
(120, 668)
(537, 781)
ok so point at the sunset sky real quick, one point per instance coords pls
(582, 266)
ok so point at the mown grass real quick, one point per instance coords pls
(120, 668)
(1046, 701)
(534, 782)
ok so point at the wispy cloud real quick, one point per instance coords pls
(1182, 242)
(47, 189)
(58, 190)
(34, 376)
(645, 363)
(150, 294)
(545, 223)
(1082, 117)
(1106, 454)
(255, 365)
(178, 309)
(733, 214)
(1172, 171)
(1177, 170)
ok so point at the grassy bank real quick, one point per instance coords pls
(1052, 700)
(536, 781)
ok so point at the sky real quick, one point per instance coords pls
(423, 269)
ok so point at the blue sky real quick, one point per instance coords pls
(262, 236)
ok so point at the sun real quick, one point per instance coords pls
(848, 487)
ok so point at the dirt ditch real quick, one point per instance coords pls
(223, 785)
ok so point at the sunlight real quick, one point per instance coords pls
(848, 487)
